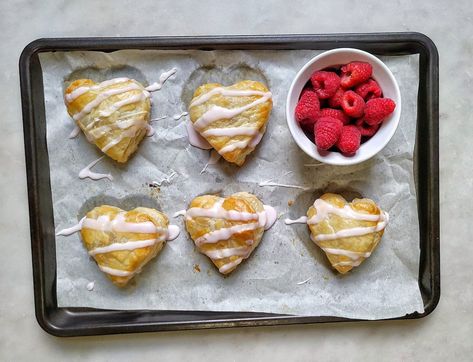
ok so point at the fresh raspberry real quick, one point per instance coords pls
(353, 105)
(335, 101)
(349, 141)
(325, 83)
(307, 109)
(369, 90)
(327, 131)
(334, 113)
(365, 129)
(376, 110)
(355, 73)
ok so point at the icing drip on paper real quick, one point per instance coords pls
(90, 286)
(301, 220)
(167, 179)
(173, 232)
(195, 139)
(162, 79)
(74, 133)
(86, 172)
(271, 183)
(73, 229)
(177, 117)
(150, 131)
(213, 160)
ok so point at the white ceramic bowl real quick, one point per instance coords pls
(381, 74)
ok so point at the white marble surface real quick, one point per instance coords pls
(444, 335)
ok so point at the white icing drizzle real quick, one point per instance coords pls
(215, 113)
(162, 79)
(129, 245)
(225, 92)
(218, 212)
(86, 172)
(118, 224)
(103, 96)
(226, 253)
(130, 132)
(356, 231)
(251, 142)
(74, 133)
(354, 255)
(90, 286)
(231, 132)
(265, 219)
(73, 229)
(325, 208)
(117, 272)
(119, 104)
(349, 263)
(301, 220)
(225, 233)
(76, 93)
(177, 117)
(224, 268)
(195, 139)
(213, 159)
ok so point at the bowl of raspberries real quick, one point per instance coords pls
(343, 106)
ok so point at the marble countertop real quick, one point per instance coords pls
(444, 335)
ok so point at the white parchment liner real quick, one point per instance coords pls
(384, 286)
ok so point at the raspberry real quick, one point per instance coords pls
(369, 90)
(307, 109)
(336, 100)
(353, 105)
(355, 73)
(334, 113)
(327, 131)
(349, 141)
(325, 83)
(376, 110)
(365, 129)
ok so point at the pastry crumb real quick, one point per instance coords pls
(290, 203)
(197, 268)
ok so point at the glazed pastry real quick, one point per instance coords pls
(227, 230)
(114, 115)
(347, 232)
(123, 242)
(232, 119)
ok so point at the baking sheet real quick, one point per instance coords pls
(287, 273)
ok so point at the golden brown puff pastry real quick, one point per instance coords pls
(122, 242)
(228, 229)
(114, 115)
(347, 232)
(232, 119)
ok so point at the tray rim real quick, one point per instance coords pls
(49, 316)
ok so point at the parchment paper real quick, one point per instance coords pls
(287, 273)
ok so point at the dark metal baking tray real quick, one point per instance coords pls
(88, 321)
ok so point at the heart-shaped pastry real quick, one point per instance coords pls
(227, 230)
(114, 115)
(347, 232)
(123, 242)
(232, 119)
